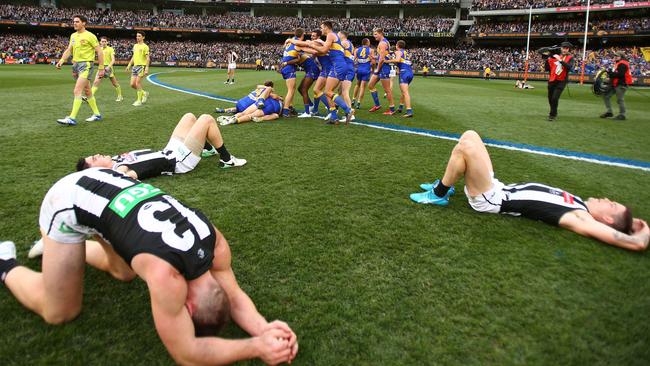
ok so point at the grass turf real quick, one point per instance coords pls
(324, 236)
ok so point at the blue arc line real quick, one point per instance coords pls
(532, 149)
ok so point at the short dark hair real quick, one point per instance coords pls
(378, 30)
(365, 41)
(141, 33)
(299, 32)
(82, 164)
(212, 312)
(268, 83)
(344, 33)
(328, 24)
(103, 37)
(401, 44)
(82, 18)
(623, 222)
(318, 31)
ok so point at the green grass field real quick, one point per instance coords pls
(324, 236)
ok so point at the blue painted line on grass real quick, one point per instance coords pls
(539, 150)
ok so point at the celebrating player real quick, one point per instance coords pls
(181, 154)
(601, 219)
(109, 61)
(336, 53)
(405, 77)
(141, 231)
(381, 73)
(290, 59)
(346, 83)
(231, 59)
(312, 72)
(363, 56)
(258, 95)
(268, 111)
(140, 61)
(83, 46)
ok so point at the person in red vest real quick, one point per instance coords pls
(559, 67)
(621, 78)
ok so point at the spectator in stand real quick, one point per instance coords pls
(536, 4)
(124, 18)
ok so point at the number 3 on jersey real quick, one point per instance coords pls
(169, 217)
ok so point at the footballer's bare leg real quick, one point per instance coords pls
(56, 293)
(204, 128)
(102, 256)
(470, 158)
(184, 126)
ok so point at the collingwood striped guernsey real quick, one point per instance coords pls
(134, 217)
(539, 202)
(147, 163)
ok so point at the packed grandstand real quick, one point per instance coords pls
(439, 40)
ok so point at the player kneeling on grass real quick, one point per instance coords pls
(181, 155)
(601, 219)
(141, 231)
(260, 112)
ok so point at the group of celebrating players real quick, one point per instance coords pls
(139, 230)
(330, 67)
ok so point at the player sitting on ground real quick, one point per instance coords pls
(258, 95)
(141, 231)
(602, 219)
(268, 111)
(181, 155)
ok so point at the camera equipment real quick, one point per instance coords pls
(602, 83)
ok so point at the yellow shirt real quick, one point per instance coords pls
(425, 69)
(488, 71)
(140, 53)
(83, 46)
(108, 55)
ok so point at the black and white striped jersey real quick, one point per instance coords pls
(539, 202)
(147, 163)
(231, 57)
(134, 217)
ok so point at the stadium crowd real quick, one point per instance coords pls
(536, 4)
(462, 57)
(241, 21)
(576, 25)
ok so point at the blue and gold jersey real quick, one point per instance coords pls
(363, 55)
(290, 52)
(349, 52)
(337, 52)
(257, 92)
(403, 61)
(385, 41)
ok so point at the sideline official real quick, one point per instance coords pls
(559, 67)
(621, 78)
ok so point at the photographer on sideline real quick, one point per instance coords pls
(559, 67)
(621, 78)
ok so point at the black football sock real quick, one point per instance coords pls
(223, 153)
(207, 146)
(440, 190)
(6, 265)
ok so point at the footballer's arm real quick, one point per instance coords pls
(584, 224)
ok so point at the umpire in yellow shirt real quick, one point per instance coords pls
(140, 61)
(83, 46)
(109, 73)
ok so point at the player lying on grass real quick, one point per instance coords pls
(602, 219)
(181, 155)
(141, 231)
(269, 110)
(258, 95)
